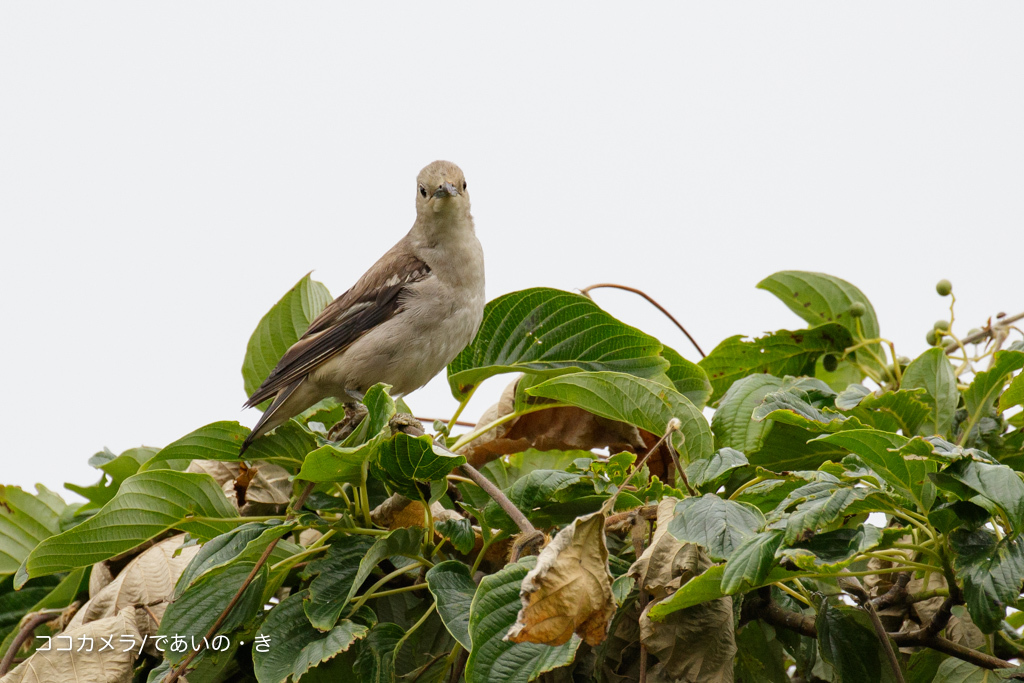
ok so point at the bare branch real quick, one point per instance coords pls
(28, 626)
(586, 292)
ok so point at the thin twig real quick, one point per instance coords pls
(432, 420)
(176, 673)
(987, 331)
(28, 627)
(883, 638)
(586, 292)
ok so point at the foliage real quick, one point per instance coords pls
(844, 515)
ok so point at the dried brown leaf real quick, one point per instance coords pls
(667, 563)
(696, 644)
(548, 430)
(569, 590)
(148, 581)
(59, 664)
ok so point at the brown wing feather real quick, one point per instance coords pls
(371, 301)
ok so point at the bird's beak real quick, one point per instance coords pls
(447, 189)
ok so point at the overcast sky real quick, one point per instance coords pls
(169, 170)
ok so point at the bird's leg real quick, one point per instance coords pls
(354, 414)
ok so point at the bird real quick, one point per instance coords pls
(401, 323)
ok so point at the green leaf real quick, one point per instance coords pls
(492, 613)
(459, 533)
(848, 642)
(819, 298)
(820, 511)
(892, 411)
(536, 490)
(452, 587)
(908, 477)
(719, 526)
(280, 328)
(955, 670)
(115, 468)
(998, 488)
(216, 441)
(194, 612)
(933, 372)
(376, 660)
(644, 403)
(247, 541)
(295, 646)
(793, 407)
(147, 505)
(708, 586)
(406, 462)
(1014, 394)
(833, 551)
(551, 332)
(25, 521)
(689, 379)
(400, 542)
(992, 572)
(751, 562)
(759, 656)
(980, 397)
(733, 423)
(781, 353)
(335, 575)
(709, 473)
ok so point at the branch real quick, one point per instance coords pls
(586, 292)
(883, 638)
(175, 674)
(28, 627)
(803, 624)
(987, 331)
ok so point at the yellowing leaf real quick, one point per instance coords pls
(569, 590)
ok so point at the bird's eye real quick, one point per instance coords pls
(423, 191)
(464, 185)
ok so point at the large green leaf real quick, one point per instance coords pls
(759, 655)
(452, 587)
(933, 372)
(147, 505)
(534, 491)
(998, 487)
(244, 542)
(335, 573)
(848, 642)
(405, 463)
(641, 402)
(708, 586)
(908, 476)
(376, 660)
(833, 551)
(820, 511)
(295, 646)
(819, 298)
(286, 446)
(492, 613)
(717, 525)
(793, 407)
(751, 562)
(980, 397)
(551, 332)
(708, 474)
(689, 379)
(733, 423)
(1014, 394)
(892, 411)
(992, 572)
(781, 353)
(25, 521)
(195, 611)
(280, 328)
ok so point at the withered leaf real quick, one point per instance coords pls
(693, 644)
(569, 590)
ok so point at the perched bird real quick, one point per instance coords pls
(405, 319)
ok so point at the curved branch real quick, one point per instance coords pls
(586, 292)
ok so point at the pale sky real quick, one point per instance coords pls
(169, 170)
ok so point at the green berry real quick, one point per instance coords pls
(942, 325)
(830, 363)
(858, 309)
(944, 287)
(931, 338)
(903, 360)
(973, 331)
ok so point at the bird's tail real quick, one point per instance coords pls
(273, 416)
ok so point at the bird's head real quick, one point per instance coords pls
(441, 188)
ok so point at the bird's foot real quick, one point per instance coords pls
(354, 414)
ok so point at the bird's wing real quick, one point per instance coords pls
(374, 299)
